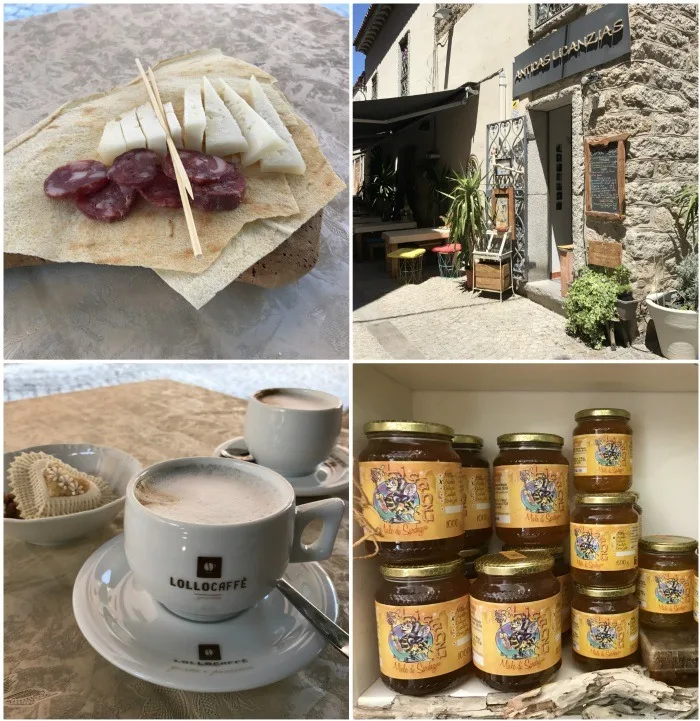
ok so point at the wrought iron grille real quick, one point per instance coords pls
(375, 83)
(546, 11)
(506, 165)
(403, 65)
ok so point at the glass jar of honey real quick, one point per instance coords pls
(531, 490)
(695, 588)
(423, 627)
(411, 491)
(469, 557)
(667, 566)
(516, 620)
(605, 626)
(604, 539)
(602, 450)
(475, 475)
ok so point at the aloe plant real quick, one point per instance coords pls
(687, 201)
(384, 188)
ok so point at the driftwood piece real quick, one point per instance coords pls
(615, 693)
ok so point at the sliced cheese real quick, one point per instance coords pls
(112, 143)
(260, 136)
(223, 136)
(194, 119)
(287, 160)
(173, 124)
(151, 128)
(133, 137)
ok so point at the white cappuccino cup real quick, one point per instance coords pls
(209, 537)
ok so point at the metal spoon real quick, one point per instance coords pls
(329, 630)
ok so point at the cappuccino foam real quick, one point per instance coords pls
(210, 498)
(297, 400)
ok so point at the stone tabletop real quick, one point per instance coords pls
(50, 669)
(89, 311)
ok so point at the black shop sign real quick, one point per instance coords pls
(592, 40)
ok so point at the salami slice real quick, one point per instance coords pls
(162, 192)
(200, 167)
(109, 204)
(135, 168)
(80, 177)
(227, 194)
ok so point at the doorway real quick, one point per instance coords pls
(559, 184)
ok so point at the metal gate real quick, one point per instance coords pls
(506, 165)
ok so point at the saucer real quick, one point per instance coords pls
(134, 632)
(330, 476)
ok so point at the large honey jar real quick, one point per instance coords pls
(423, 627)
(667, 567)
(516, 620)
(411, 491)
(602, 450)
(531, 490)
(475, 475)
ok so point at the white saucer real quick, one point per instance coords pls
(135, 633)
(331, 476)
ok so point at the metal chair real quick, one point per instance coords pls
(410, 264)
(496, 253)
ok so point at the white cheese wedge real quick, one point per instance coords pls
(194, 119)
(152, 129)
(173, 124)
(133, 137)
(112, 142)
(223, 136)
(260, 136)
(287, 160)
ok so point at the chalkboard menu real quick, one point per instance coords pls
(605, 176)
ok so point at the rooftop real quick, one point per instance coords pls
(373, 22)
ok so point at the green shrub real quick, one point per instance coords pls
(687, 289)
(590, 305)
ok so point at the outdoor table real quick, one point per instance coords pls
(419, 236)
(359, 229)
(80, 310)
(51, 671)
(364, 219)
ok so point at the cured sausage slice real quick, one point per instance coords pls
(200, 167)
(81, 177)
(227, 194)
(109, 204)
(162, 192)
(135, 168)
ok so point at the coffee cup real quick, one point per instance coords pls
(209, 537)
(292, 430)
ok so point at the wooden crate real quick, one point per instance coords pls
(488, 277)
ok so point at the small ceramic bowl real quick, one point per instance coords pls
(115, 466)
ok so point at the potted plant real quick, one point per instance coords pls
(466, 216)
(626, 305)
(590, 306)
(675, 311)
(384, 189)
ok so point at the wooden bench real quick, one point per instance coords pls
(423, 237)
(359, 230)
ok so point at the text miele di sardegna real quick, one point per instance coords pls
(573, 47)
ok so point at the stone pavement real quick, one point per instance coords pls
(437, 320)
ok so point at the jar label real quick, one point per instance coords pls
(531, 496)
(613, 635)
(566, 595)
(609, 547)
(412, 500)
(603, 454)
(423, 641)
(695, 598)
(477, 498)
(514, 639)
(665, 591)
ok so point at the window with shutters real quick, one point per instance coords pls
(403, 65)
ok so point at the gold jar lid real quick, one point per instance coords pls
(471, 554)
(513, 563)
(613, 592)
(433, 429)
(509, 438)
(551, 550)
(679, 544)
(429, 571)
(605, 499)
(462, 440)
(603, 413)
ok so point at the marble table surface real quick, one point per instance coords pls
(77, 311)
(50, 669)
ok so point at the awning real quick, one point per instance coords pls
(376, 119)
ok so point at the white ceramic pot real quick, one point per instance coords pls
(677, 330)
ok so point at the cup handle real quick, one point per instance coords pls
(330, 511)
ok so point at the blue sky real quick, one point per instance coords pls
(358, 59)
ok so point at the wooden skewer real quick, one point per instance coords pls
(180, 175)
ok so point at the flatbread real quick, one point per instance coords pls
(150, 237)
(312, 191)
